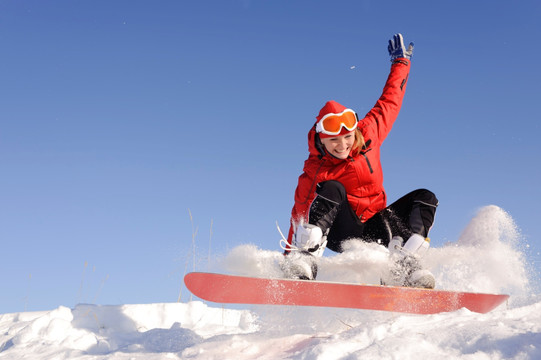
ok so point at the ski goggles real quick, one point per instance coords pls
(332, 124)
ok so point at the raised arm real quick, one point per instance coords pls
(386, 109)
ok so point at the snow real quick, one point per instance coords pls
(488, 257)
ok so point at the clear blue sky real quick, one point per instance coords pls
(118, 117)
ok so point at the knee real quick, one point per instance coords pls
(332, 190)
(427, 197)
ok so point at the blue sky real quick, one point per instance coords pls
(120, 118)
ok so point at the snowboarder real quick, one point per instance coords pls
(340, 195)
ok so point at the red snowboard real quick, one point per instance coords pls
(221, 288)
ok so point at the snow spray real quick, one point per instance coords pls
(487, 258)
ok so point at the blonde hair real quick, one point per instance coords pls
(358, 144)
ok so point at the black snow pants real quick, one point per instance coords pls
(330, 210)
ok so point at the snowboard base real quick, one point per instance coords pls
(231, 289)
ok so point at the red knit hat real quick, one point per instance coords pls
(331, 107)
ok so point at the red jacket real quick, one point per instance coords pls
(361, 175)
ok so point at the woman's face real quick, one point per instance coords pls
(339, 146)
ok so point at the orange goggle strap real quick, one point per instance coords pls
(331, 124)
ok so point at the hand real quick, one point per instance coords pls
(397, 48)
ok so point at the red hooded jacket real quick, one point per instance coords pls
(361, 175)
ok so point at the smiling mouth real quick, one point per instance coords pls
(341, 153)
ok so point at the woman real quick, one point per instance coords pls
(340, 194)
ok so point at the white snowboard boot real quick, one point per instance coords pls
(405, 268)
(309, 242)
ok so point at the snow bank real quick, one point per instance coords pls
(128, 332)
(94, 330)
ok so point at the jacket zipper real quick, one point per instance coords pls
(363, 153)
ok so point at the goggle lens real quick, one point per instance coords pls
(331, 124)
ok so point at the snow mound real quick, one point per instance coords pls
(152, 332)
(95, 330)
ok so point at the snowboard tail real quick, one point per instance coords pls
(221, 288)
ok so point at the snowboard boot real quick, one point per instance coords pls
(308, 244)
(405, 268)
(299, 265)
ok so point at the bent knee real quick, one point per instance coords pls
(426, 196)
(332, 189)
